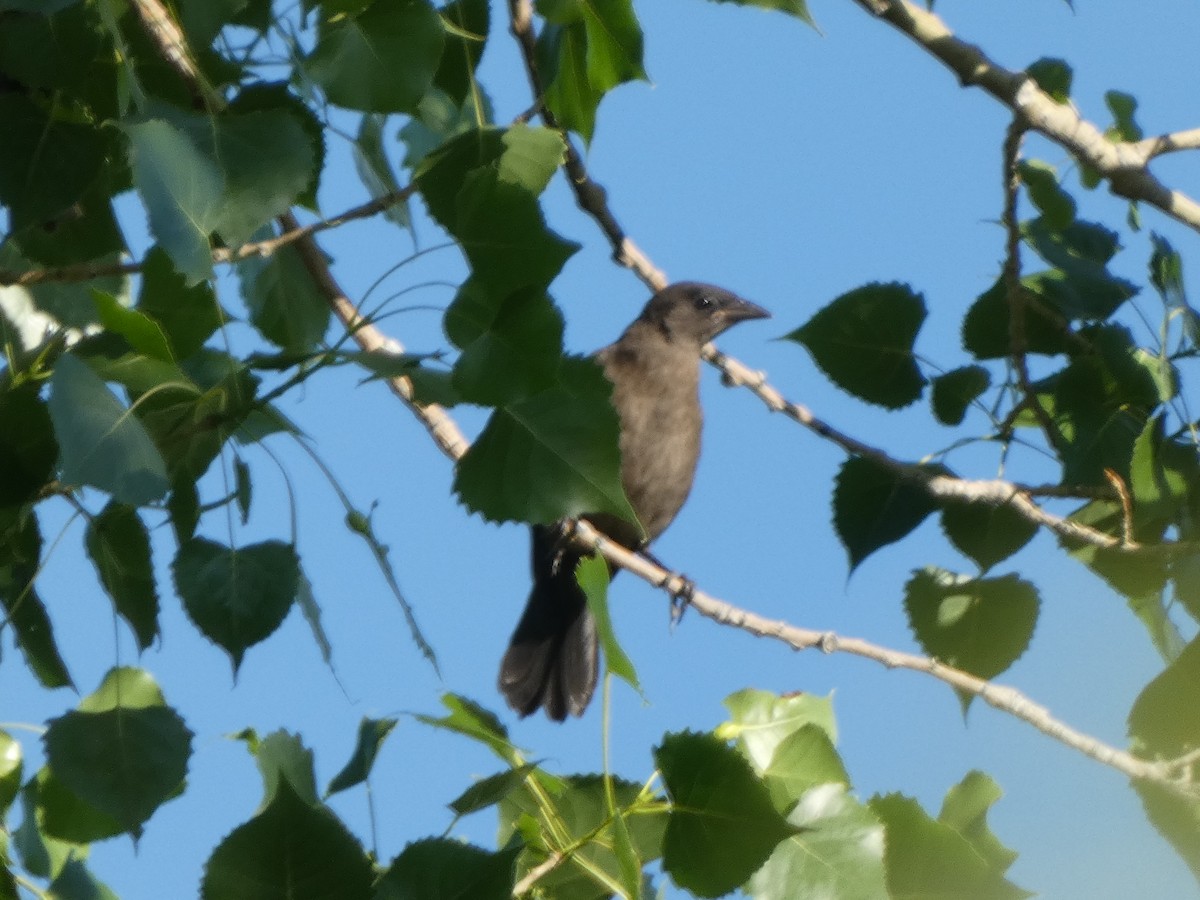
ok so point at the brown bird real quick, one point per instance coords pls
(655, 371)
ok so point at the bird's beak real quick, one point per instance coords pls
(740, 310)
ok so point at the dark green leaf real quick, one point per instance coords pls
(722, 826)
(550, 456)
(863, 341)
(140, 331)
(184, 507)
(28, 449)
(243, 487)
(1165, 720)
(562, 60)
(614, 43)
(124, 752)
(64, 816)
(874, 506)
(1080, 286)
(56, 49)
(985, 533)
(75, 882)
(491, 790)
(965, 810)
(797, 8)
(837, 851)
(371, 735)
(1041, 180)
(925, 858)
(46, 162)
(276, 99)
(188, 315)
(956, 390)
(312, 614)
(119, 547)
(102, 444)
(382, 59)
(986, 327)
(981, 625)
(289, 851)
(510, 351)
(236, 597)
(439, 119)
(464, 47)
(1177, 819)
(448, 870)
(1123, 106)
(283, 301)
(593, 576)
(1053, 76)
(20, 561)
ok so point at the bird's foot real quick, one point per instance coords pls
(681, 596)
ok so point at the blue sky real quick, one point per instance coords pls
(790, 167)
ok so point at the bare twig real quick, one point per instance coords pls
(1169, 143)
(1123, 164)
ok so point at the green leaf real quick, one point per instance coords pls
(275, 99)
(463, 48)
(491, 790)
(1177, 819)
(583, 807)
(236, 596)
(1166, 274)
(837, 851)
(965, 810)
(985, 533)
(20, 561)
(980, 625)
(562, 61)
(375, 170)
(1165, 722)
(439, 119)
(614, 43)
(282, 758)
(102, 444)
(1053, 76)
(449, 870)
(119, 547)
(804, 759)
(11, 766)
(184, 508)
(243, 487)
(874, 506)
(550, 456)
(64, 816)
(188, 315)
(289, 851)
(283, 301)
(140, 331)
(926, 858)
(797, 8)
(722, 826)
(1041, 180)
(863, 341)
(954, 391)
(371, 735)
(312, 614)
(510, 351)
(182, 189)
(382, 59)
(474, 721)
(593, 577)
(46, 161)
(1161, 474)
(75, 882)
(1123, 106)
(124, 752)
(762, 721)
(986, 326)
(1080, 285)
(28, 449)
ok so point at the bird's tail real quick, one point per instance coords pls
(551, 660)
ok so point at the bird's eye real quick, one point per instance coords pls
(703, 301)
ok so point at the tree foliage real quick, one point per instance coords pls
(122, 388)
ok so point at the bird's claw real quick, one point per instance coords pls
(681, 598)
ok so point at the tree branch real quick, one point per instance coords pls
(1123, 164)
(451, 441)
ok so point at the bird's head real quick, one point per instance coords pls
(691, 312)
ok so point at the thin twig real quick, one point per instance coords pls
(88, 271)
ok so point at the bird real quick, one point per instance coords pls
(654, 368)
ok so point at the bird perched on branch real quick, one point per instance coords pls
(654, 367)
